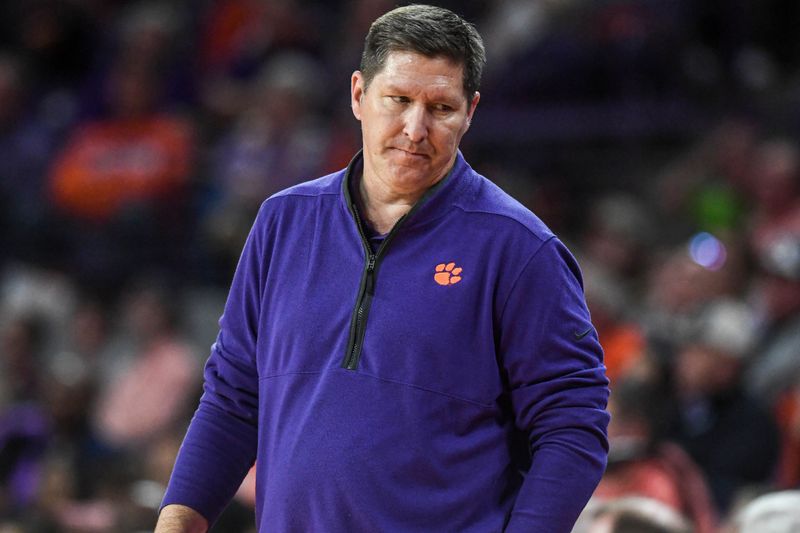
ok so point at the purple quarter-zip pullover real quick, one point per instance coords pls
(449, 381)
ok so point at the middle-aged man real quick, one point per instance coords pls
(404, 347)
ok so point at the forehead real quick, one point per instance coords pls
(409, 69)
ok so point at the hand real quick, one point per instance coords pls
(180, 519)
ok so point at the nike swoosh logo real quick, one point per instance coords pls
(579, 335)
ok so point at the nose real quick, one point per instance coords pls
(415, 125)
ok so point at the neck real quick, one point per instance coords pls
(382, 204)
(383, 207)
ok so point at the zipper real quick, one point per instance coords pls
(366, 289)
(358, 322)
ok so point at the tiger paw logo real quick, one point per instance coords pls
(447, 274)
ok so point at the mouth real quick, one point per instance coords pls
(410, 153)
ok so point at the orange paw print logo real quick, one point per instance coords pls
(447, 274)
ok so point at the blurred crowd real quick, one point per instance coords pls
(659, 138)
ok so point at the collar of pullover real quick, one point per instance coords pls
(434, 203)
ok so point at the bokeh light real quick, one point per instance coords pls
(707, 251)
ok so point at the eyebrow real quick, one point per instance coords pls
(438, 96)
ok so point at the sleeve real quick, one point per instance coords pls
(559, 391)
(220, 445)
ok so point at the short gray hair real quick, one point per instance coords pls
(427, 30)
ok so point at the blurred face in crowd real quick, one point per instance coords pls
(132, 90)
(702, 370)
(413, 115)
(775, 175)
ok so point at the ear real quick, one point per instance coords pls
(356, 93)
(472, 105)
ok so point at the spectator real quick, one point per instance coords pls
(144, 400)
(74, 372)
(24, 423)
(730, 435)
(642, 464)
(777, 289)
(615, 241)
(775, 242)
(27, 142)
(708, 186)
(134, 156)
(617, 236)
(774, 184)
(681, 282)
(278, 139)
(122, 180)
(238, 37)
(623, 339)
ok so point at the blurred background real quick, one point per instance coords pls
(658, 138)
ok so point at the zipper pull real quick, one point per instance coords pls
(371, 275)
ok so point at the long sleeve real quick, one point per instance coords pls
(220, 444)
(559, 391)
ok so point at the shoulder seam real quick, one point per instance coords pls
(523, 269)
(543, 238)
(302, 194)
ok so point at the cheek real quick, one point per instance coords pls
(446, 137)
(370, 131)
(381, 127)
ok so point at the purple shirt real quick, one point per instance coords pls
(452, 381)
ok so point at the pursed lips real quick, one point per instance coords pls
(410, 153)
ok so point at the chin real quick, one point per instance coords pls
(409, 169)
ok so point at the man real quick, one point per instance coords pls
(404, 347)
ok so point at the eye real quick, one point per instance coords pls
(443, 108)
(400, 99)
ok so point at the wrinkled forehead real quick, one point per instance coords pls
(438, 73)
